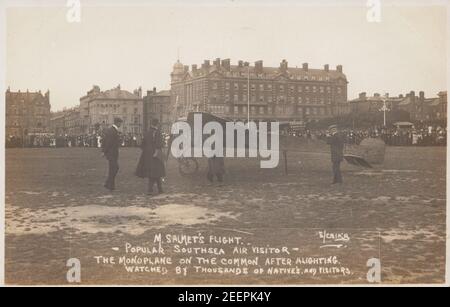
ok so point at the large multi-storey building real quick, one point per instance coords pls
(27, 113)
(98, 110)
(57, 123)
(418, 107)
(157, 106)
(243, 91)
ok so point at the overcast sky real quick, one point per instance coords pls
(137, 46)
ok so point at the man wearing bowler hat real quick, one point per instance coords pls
(110, 149)
(336, 143)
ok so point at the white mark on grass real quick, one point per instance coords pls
(133, 220)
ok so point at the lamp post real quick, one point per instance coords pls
(383, 109)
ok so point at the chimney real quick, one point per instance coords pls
(412, 96)
(259, 67)
(8, 90)
(283, 65)
(217, 62)
(226, 64)
(386, 95)
(422, 95)
(194, 67)
(339, 68)
(154, 90)
(376, 95)
(305, 66)
(206, 63)
(186, 68)
(400, 96)
(362, 95)
(326, 67)
(241, 63)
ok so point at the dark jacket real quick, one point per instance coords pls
(336, 143)
(150, 166)
(111, 144)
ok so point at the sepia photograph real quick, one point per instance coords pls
(224, 143)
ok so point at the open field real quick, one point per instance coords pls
(56, 209)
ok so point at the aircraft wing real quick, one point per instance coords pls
(358, 161)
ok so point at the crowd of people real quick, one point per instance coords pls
(50, 140)
(416, 136)
(421, 136)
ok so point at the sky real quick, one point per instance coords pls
(137, 46)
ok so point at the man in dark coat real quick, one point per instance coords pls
(151, 162)
(216, 168)
(110, 149)
(336, 143)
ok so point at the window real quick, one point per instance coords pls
(299, 89)
(236, 86)
(269, 110)
(253, 87)
(261, 110)
(281, 88)
(300, 110)
(307, 89)
(261, 87)
(269, 99)
(261, 99)
(215, 86)
(269, 87)
(292, 99)
(227, 85)
(235, 98)
(236, 110)
(299, 99)
(321, 89)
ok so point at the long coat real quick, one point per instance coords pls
(150, 166)
(111, 144)
(336, 143)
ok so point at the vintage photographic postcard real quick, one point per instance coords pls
(257, 143)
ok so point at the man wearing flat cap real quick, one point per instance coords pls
(336, 142)
(110, 149)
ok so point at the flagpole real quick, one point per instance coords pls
(248, 94)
